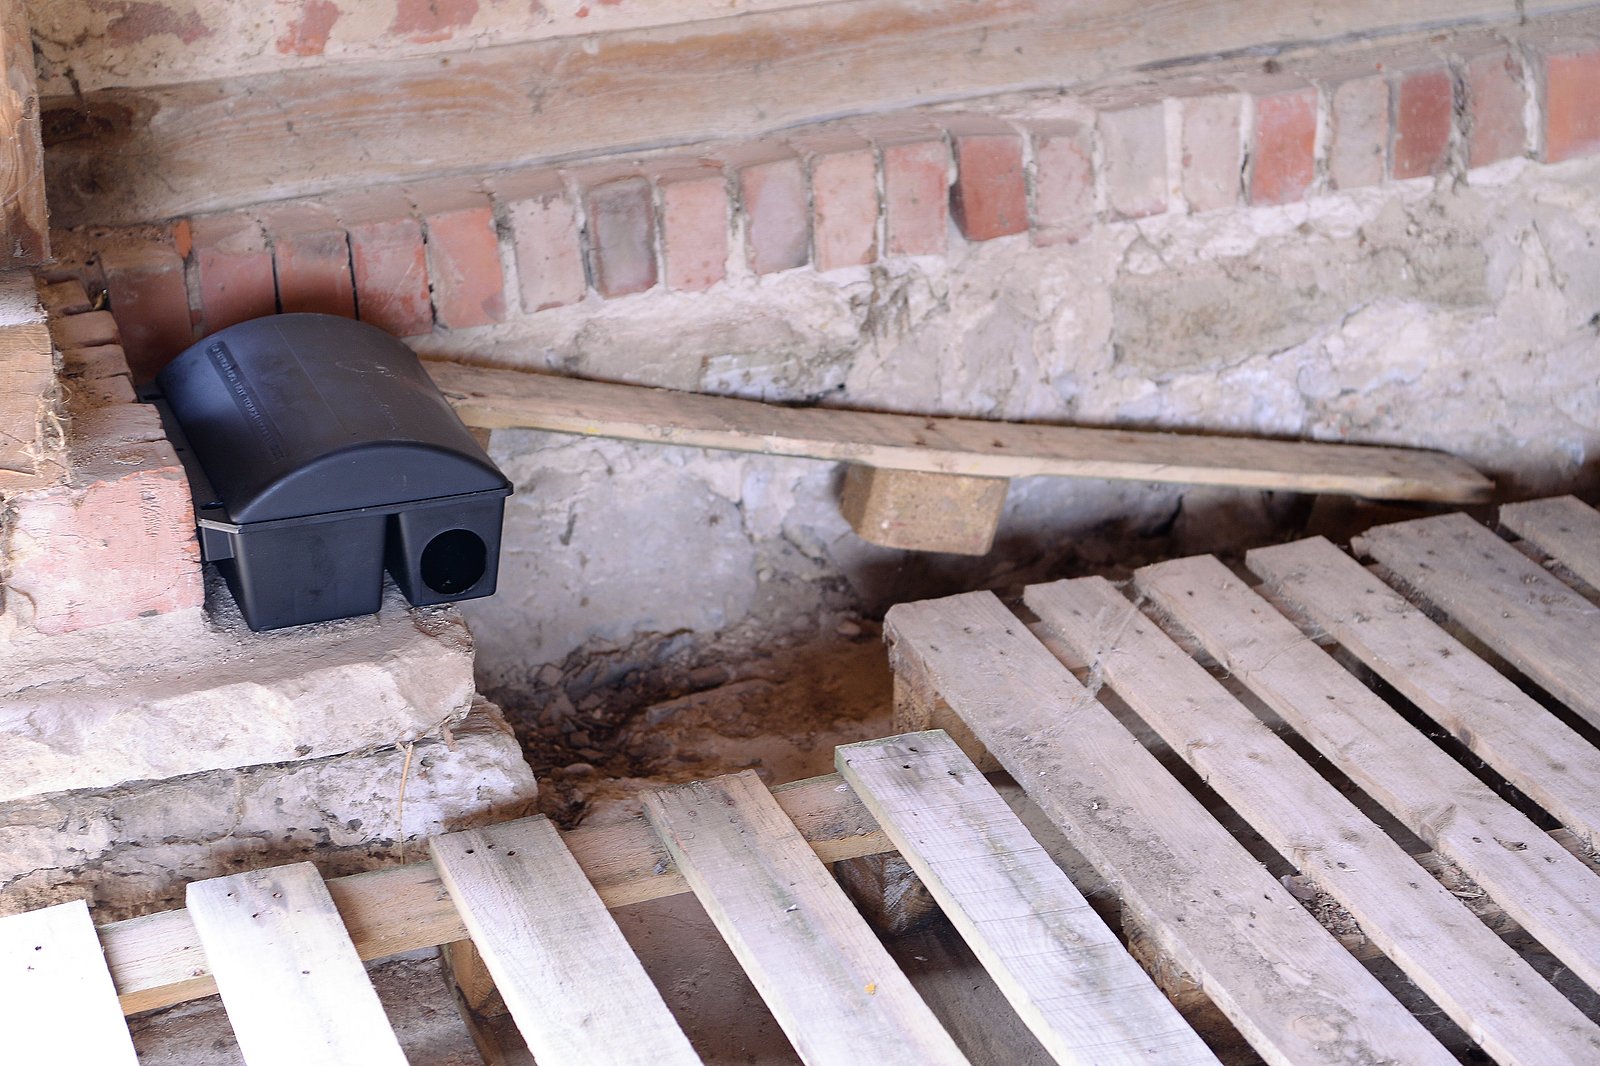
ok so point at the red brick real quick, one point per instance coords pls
(311, 259)
(150, 303)
(464, 262)
(694, 227)
(1212, 150)
(622, 225)
(64, 297)
(95, 363)
(118, 544)
(772, 197)
(1283, 146)
(990, 195)
(916, 197)
(391, 275)
(844, 199)
(1424, 111)
(1495, 99)
(1358, 152)
(1571, 104)
(1134, 143)
(84, 330)
(1063, 183)
(234, 268)
(545, 239)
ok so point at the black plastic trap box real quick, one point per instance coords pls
(320, 453)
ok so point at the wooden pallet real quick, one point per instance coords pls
(1052, 702)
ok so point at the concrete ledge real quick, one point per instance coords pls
(180, 694)
(131, 850)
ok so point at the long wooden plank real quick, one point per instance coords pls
(157, 961)
(1564, 528)
(57, 1003)
(1553, 895)
(830, 984)
(135, 156)
(1505, 599)
(1285, 983)
(1055, 960)
(1483, 985)
(500, 399)
(24, 221)
(1496, 720)
(294, 988)
(576, 989)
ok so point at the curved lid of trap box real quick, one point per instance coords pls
(304, 414)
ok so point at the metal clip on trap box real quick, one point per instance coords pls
(320, 453)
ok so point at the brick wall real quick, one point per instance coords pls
(474, 252)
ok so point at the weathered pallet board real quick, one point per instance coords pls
(57, 1003)
(1480, 982)
(292, 983)
(1057, 962)
(1542, 627)
(1564, 528)
(830, 984)
(1283, 981)
(575, 988)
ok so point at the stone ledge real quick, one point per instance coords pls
(131, 850)
(181, 694)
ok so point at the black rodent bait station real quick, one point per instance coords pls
(320, 453)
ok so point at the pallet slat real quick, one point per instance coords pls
(1286, 984)
(830, 984)
(1057, 962)
(574, 986)
(1553, 895)
(1497, 721)
(292, 983)
(1505, 599)
(1481, 983)
(57, 1003)
(1564, 528)
(505, 399)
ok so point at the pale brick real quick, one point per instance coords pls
(844, 197)
(1063, 190)
(916, 185)
(1134, 143)
(772, 198)
(1213, 150)
(1495, 102)
(1359, 148)
(1424, 111)
(1571, 103)
(545, 241)
(622, 236)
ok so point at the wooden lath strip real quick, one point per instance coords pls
(1056, 961)
(576, 989)
(829, 982)
(294, 987)
(505, 399)
(1480, 982)
(1493, 718)
(57, 1002)
(1285, 983)
(1540, 625)
(1547, 890)
(157, 961)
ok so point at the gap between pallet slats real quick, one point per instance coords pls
(1555, 897)
(830, 984)
(1057, 962)
(1479, 981)
(1287, 985)
(1493, 718)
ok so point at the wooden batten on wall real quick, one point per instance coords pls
(24, 232)
(125, 156)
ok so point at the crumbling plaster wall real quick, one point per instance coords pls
(1448, 314)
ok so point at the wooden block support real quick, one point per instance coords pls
(923, 512)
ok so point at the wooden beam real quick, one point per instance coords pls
(505, 399)
(24, 225)
(125, 156)
(156, 960)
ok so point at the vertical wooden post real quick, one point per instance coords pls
(24, 229)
